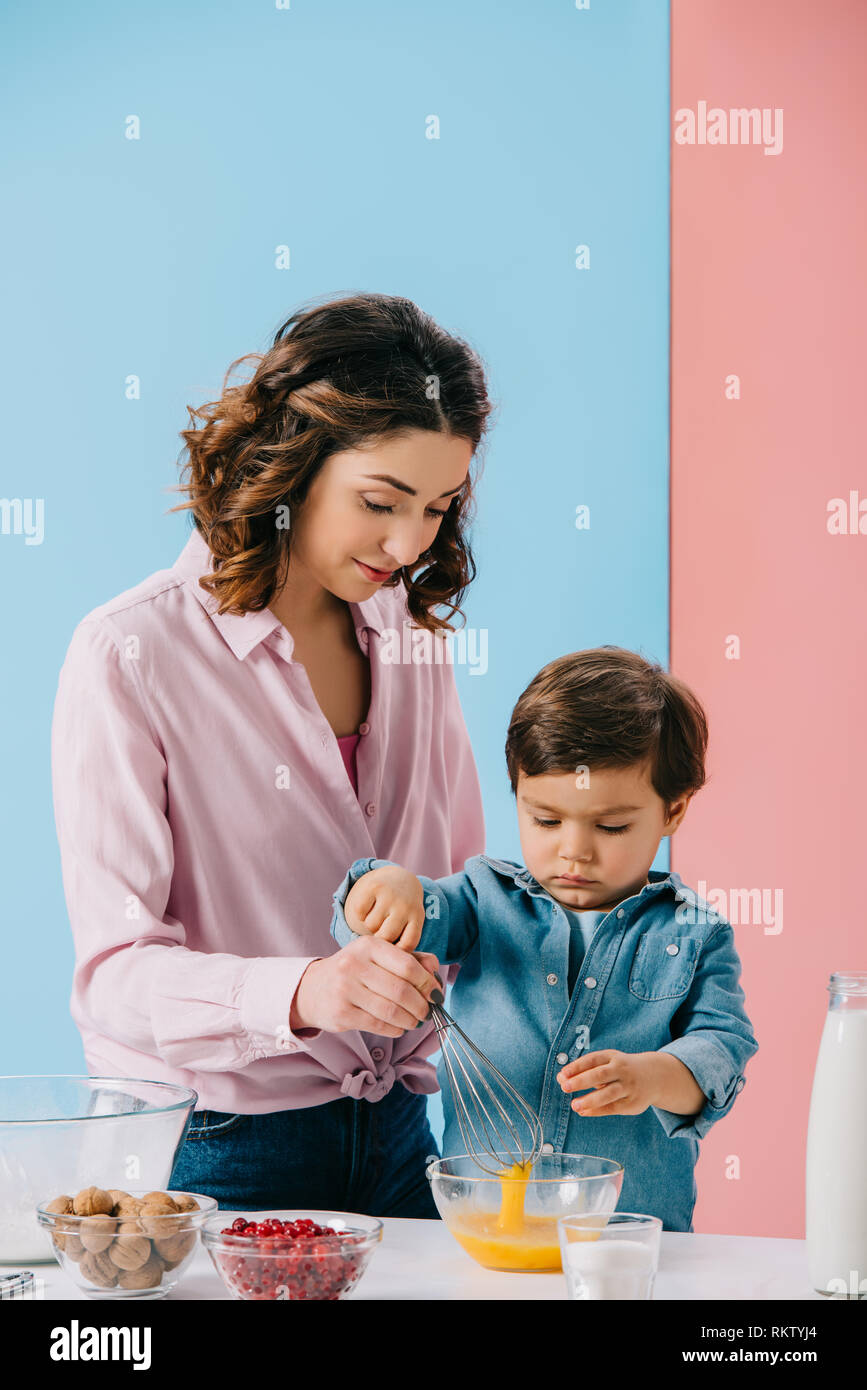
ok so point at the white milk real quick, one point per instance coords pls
(609, 1269)
(837, 1156)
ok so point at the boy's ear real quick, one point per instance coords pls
(676, 813)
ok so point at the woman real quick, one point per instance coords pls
(232, 733)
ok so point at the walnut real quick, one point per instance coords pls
(176, 1247)
(146, 1277)
(73, 1248)
(184, 1202)
(59, 1206)
(154, 1198)
(98, 1269)
(96, 1232)
(127, 1208)
(130, 1249)
(159, 1219)
(92, 1201)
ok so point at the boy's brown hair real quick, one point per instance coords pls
(609, 707)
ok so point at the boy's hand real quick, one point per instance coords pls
(624, 1082)
(388, 903)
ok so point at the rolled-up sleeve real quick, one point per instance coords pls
(340, 929)
(135, 979)
(712, 1036)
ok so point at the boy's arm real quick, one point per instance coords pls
(450, 906)
(712, 1036)
(674, 1086)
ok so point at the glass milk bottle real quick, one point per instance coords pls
(837, 1145)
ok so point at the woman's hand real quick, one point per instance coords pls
(388, 903)
(370, 984)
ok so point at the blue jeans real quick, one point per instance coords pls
(345, 1155)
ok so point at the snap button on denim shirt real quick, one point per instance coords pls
(661, 973)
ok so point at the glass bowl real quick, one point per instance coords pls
(511, 1223)
(63, 1133)
(134, 1254)
(322, 1268)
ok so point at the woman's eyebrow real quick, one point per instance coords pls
(404, 487)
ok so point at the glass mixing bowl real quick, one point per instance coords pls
(263, 1267)
(63, 1133)
(511, 1224)
(135, 1255)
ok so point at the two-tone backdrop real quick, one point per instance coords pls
(644, 218)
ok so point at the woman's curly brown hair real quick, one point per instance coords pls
(337, 376)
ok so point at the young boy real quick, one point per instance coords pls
(607, 992)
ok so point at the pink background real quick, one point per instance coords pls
(769, 282)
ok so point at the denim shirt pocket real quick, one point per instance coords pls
(663, 965)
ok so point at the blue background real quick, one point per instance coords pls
(156, 257)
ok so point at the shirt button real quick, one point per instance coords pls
(590, 982)
(620, 912)
(672, 949)
(562, 1058)
(370, 808)
(741, 1083)
(552, 979)
(324, 740)
(377, 1054)
(547, 1149)
(364, 728)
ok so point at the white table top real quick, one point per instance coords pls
(420, 1260)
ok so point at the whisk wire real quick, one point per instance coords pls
(464, 1047)
(492, 1137)
(482, 1136)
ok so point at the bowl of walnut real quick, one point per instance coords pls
(119, 1244)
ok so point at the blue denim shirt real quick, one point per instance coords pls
(661, 973)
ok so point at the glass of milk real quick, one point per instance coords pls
(610, 1256)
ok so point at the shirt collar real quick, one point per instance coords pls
(244, 631)
(658, 880)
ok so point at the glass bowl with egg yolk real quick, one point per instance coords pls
(509, 1221)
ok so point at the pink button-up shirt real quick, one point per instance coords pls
(205, 819)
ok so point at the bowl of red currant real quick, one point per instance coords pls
(311, 1255)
